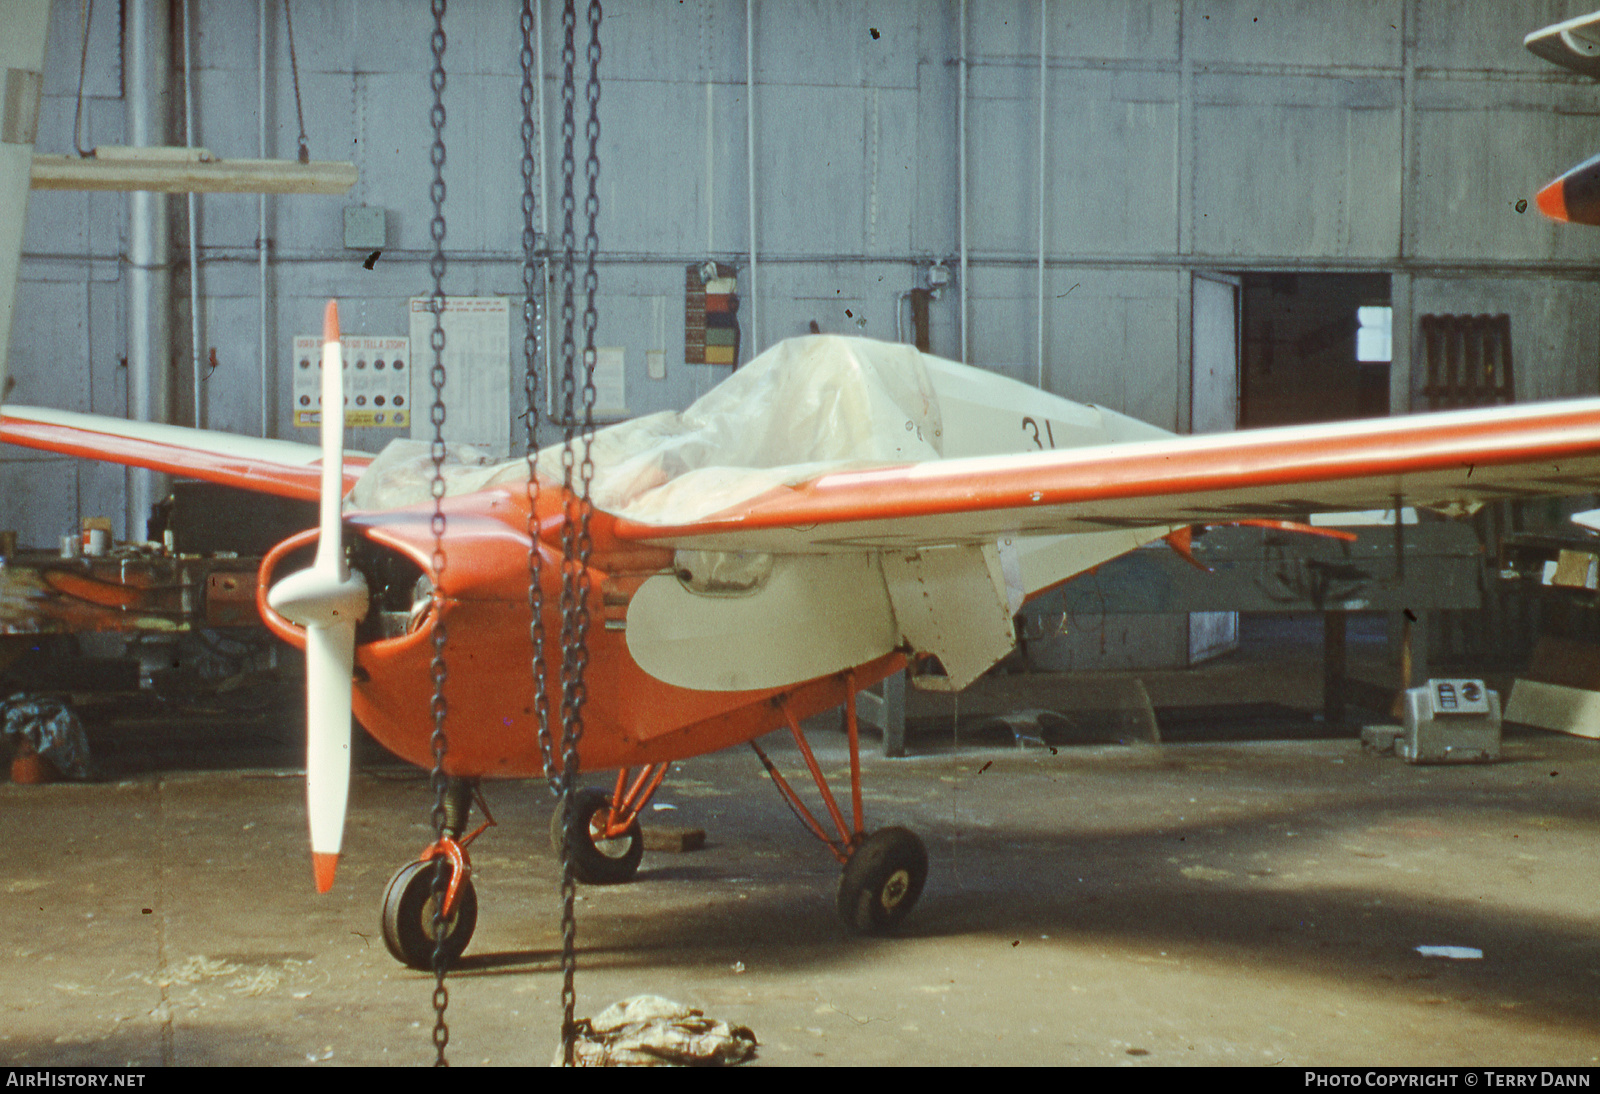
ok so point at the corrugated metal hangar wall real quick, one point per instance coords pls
(1388, 137)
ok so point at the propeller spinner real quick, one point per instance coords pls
(329, 599)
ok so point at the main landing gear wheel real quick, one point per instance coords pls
(408, 907)
(596, 860)
(883, 880)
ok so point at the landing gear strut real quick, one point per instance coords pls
(410, 906)
(884, 872)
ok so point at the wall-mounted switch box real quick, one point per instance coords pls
(364, 228)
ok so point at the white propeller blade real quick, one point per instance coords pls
(328, 600)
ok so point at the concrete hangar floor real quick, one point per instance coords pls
(1250, 892)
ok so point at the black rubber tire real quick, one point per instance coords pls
(882, 881)
(407, 917)
(598, 862)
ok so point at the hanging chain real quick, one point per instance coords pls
(569, 242)
(533, 353)
(86, 16)
(294, 71)
(438, 780)
(576, 540)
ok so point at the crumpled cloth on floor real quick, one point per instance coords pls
(649, 1031)
(51, 729)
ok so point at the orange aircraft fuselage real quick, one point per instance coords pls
(481, 598)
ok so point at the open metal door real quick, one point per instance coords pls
(1214, 408)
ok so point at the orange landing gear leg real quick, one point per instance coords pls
(410, 903)
(883, 872)
(607, 840)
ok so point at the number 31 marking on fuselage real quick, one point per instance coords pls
(1031, 427)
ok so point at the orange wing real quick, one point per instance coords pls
(284, 468)
(1435, 460)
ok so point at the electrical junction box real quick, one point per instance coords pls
(1450, 721)
(364, 228)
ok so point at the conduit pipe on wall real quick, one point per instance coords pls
(1044, 26)
(544, 203)
(261, 230)
(148, 64)
(750, 165)
(194, 198)
(710, 181)
(961, 172)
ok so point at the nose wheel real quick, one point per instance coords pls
(409, 904)
(408, 912)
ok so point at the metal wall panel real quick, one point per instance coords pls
(1111, 338)
(1111, 175)
(61, 222)
(1179, 136)
(1467, 196)
(1110, 163)
(1109, 335)
(1486, 35)
(63, 48)
(1293, 32)
(51, 333)
(833, 171)
(1296, 180)
(41, 497)
(653, 178)
(1139, 30)
(822, 42)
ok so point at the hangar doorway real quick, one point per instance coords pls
(1315, 348)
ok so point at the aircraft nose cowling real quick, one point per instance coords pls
(313, 598)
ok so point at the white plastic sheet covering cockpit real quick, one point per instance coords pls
(805, 406)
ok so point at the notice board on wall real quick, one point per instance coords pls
(377, 380)
(477, 365)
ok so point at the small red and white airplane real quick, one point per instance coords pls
(834, 511)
